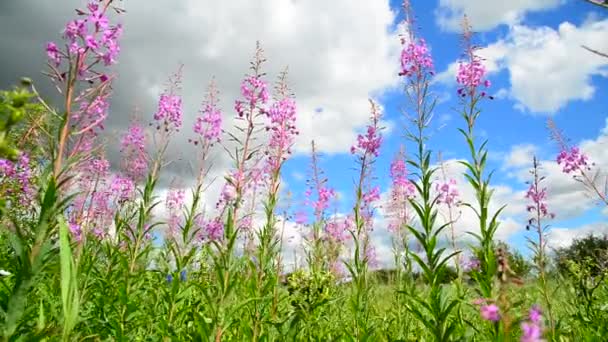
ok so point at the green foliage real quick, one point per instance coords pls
(590, 251)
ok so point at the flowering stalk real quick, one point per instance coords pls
(402, 190)
(435, 311)
(90, 41)
(574, 161)
(367, 150)
(537, 196)
(282, 129)
(320, 255)
(244, 177)
(471, 75)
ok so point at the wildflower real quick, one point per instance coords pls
(214, 230)
(471, 264)
(169, 278)
(368, 143)
(282, 115)
(53, 53)
(535, 314)
(183, 275)
(133, 148)
(471, 71)
(415, 58)
(531, 332)
(490, 312)
(122, 188)
(75, 230)
(448, 193)
(401, 185)
(573, 160)
(337, 229)
(538, 198)
(169, 110)
(208, 126)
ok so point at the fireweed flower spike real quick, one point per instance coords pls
(575, 162)
(539, 214)
(435, 309)
(472, 82)
(490, 312)
(532, 328)
(366, 150)
(134, 156)
(91, 41)
(169, 114)
(402, 190)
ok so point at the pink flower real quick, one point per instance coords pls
(133, 148)
(325, 194)
(282, 127)
(415, 59)
(337, 229)
(255, 92)
(76, 231)
(53, 53)
(490, 312)
(211, 230)
(573, 160)
(369, 143)
(448, 193)
(175, 199)
(209, 125)
(402, 186)
(122, 188)
(169, 110)
(539, 200)
(535, 315)
(531, 332)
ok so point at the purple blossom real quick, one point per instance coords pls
(209, 125)
(531, 332)
(369, 143)
(122, 188)
(169, 110)
(539, 200)
(490, 312)
(337, 229)
(402, 186)
(133, 148)
(282, 127)
(76, 231)
(471, 75)
(535, 314)
(573, 160)
(175, 199)
(447, 192)
(415, 58)
(53, 53)
(212, 230)
(325, 195)
(471, 264)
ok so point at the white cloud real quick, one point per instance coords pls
(323, 43)
(567, 198)
(485, 15)
(547, 67)
(563, 237)
(520, 156)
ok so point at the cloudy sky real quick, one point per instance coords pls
(340, 53)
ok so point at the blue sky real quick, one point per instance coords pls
(340, 53)
(512, 125)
